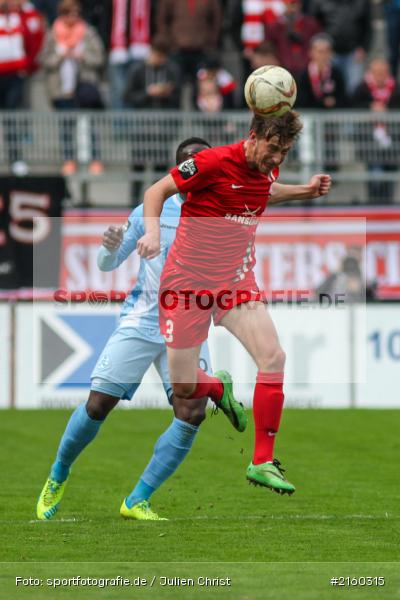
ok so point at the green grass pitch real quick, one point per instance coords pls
(343, 520)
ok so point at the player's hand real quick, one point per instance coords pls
(149, 245)
(112, 238)
(319, 185)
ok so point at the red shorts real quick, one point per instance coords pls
(186, 306)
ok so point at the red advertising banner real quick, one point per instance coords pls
(81, 237)
(296, 249)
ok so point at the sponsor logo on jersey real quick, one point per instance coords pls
(248, 217)
(188, 168)
(165, 226)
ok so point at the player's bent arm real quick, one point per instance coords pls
(319, 185)
(149, 245)
(119, 243)
(107, 260)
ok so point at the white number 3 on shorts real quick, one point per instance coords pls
(169, 333)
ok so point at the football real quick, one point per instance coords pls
(270, 91)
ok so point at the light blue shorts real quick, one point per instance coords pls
(126, 358)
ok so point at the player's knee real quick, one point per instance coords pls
(184, 390)
(190, 415)
(100, 405)
(273, 360)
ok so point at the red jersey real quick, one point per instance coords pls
(13, 35)
(225, 200)
(21, 38)
(36, 30)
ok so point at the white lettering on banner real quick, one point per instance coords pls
(298, 265)
(308, 263)
(74, 258)
(280, 267)
(82, 272)
(292, 252)
(393, 266)
(29, 207)
(383, 262)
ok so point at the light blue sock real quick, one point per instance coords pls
(169, 451)
(80, 431)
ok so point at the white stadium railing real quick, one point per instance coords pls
(355, 146)
(341, 138)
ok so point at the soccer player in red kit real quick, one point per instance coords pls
(209, 272)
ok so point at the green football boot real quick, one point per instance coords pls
(140, 511)
(233, 409)
(49, 499)
(270, 475)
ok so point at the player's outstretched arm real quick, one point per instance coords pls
(149, 245)
(319, 185)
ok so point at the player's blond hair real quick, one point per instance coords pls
(287, 127)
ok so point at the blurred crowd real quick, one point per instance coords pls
(141, 54)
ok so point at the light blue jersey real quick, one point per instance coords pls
(137, 342)
(140, 308)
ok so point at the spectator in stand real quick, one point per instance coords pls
(154, 83)
(378, 142)
(291, 35)
(98, 14)
(129, 42)
(348, 282)
(209, 98)
(215, 92)
(349, 23)
(73, 59)
(48, 8)
(392, 13)
(190, 28)
(222, 81)
(246, 21)
(35, 25)
(21, 35)
(321, 84)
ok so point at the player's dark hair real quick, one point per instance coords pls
(287, 127)
(192, 141)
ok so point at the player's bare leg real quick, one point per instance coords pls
(252, 325)
(190, 410)
(190, 382)
(183, 370)
(99, 405)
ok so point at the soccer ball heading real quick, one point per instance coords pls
(270, 91)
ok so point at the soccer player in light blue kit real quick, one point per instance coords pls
(131, 349)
